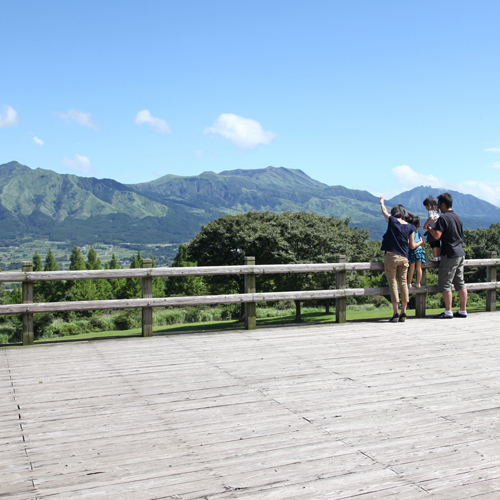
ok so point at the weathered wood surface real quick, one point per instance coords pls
(241, 298)
(361, 411)
(213, 270)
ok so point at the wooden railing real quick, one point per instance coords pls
(250, 270)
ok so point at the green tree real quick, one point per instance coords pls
(277, 238)
(102, 287)
(158, 286)
(184, 285)
(116, 284)
(50, 262)
(16, 295)
(93, 262)
(76, 260)
(132, 288)
(38, 295)
(37, 262)
(52, 291)
(79, 289)
(113, 264)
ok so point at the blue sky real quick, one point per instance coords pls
(377, 95)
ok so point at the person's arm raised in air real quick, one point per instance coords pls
(384, 210)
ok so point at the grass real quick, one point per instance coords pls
(312, 317)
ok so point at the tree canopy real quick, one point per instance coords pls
(276, 238)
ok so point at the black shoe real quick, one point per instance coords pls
(402, 317)
(458, 315)
(394, 318)
(442, 316)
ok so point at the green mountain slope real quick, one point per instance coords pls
(261, 189)
(43, 204)
(62, 196)
(275, 189)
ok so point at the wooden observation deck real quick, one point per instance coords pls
(362, 410)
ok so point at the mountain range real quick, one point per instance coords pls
(41, 204)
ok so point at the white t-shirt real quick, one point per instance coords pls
(434, 214)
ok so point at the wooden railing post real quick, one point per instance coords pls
(491, 275)
(147, 293)
(250, 287)
(341, 282)
(420, 298)
(28, 327)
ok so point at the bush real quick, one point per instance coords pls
(380, 302)
(434, 301)
(475, 299)
(229, 311)
(126, 321)
(42, 325)
(174, 316)
(96, 323)
(196, 315)
(62, 329)
(11, 332)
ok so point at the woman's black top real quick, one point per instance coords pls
(395, 240)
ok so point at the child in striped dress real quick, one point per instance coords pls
(416, 254)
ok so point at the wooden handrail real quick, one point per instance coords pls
(163, 272)
(236, 298)
(28, 307)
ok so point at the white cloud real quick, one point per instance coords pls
(9, 118)
(495, 165)
(79, 117)
(493, 150)
(79, 163)
(408, 177)
(38, 141)
(242, 132)
(144, 116)
(488, 191)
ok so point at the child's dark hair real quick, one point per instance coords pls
(415, 220)
(412, 218)
(431, 202)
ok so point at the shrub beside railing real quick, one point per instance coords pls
(250, 270)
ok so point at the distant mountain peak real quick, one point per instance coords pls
(277, 176)
(12, 169)
(462, 203)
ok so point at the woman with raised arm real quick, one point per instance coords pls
(395, 244)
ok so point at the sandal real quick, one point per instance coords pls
(394, 318)
(402, 317)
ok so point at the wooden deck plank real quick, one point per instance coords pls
(365, 410)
